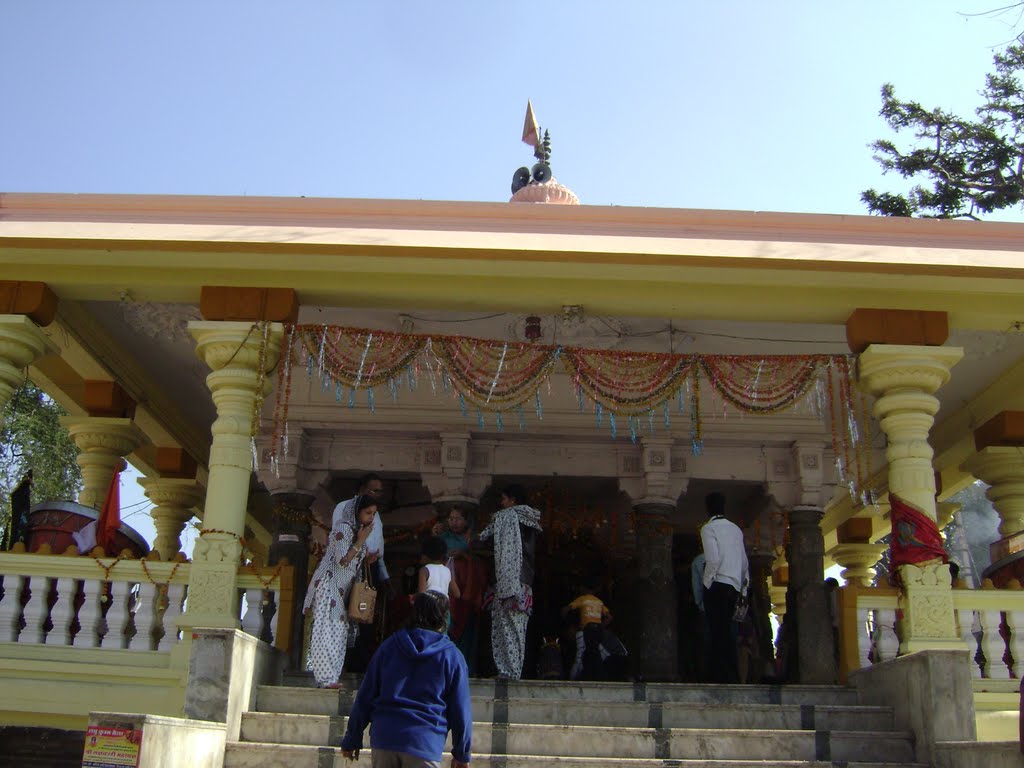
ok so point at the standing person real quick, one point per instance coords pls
(328, 592)
(725, 578)
(514, 530)
(434, 574)
(470, 574)
(414, 691)
(370, 485)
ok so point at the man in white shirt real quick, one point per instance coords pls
(726, 577)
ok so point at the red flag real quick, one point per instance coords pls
(915, 536)
(110, 515)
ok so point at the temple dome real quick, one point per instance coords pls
(549, 191)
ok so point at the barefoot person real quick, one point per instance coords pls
(329, 589)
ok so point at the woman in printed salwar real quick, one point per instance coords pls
(327, 597)
(514, 529)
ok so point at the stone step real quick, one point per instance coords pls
(604, 741)
(315, 729)
(256, 755)
(327, 701)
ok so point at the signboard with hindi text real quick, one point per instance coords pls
(110, 746)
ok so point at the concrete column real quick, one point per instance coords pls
(103, 442)
(292, 530)
(22, 342)
(904, 379)
(233, 351)
(174, 501)
(659, 647)
(1002, 468)
(806, 604)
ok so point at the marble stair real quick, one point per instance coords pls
(594, 725)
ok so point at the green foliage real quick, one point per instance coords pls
(32, 438)
(972, 167)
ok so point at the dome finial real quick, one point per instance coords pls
(537, 184)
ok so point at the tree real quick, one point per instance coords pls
(32, 437)
(972, 167)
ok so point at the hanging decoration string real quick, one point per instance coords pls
(499, 377)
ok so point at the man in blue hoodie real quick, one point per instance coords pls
(415, 689)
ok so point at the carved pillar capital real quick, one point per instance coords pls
(102, 444)
(1002, 468)
(904, 380)
(174, 501)
(22, 342)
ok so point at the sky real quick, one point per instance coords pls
(741, 105)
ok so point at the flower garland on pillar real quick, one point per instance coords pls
(497, 378)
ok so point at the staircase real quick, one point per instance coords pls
(598, 725)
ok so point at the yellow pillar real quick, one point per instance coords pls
(102, 442)
(856, 551)
(1002, 468)
(904, 379)
(234, 351)
(21, 343)
(174, 500)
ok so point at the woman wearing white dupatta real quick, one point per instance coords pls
(514, 529)
(329, 589)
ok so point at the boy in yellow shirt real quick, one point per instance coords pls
(593, 617)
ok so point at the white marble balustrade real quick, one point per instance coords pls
(990, 623)
(83, 602)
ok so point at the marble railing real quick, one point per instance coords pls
(990, 622)
(87, 602)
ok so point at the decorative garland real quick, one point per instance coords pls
(497, 377)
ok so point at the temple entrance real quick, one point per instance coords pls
(587, 536)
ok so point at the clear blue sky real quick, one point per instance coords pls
(742, 105)
(762, 106)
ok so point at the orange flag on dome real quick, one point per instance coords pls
(531, 131)
(110, 515)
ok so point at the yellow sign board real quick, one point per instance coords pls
(111, 747)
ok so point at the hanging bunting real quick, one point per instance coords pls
(498, 376)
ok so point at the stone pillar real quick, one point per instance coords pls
(659, 647)
(292, 531)
(805, 601)
(103, 442)
(174, 500)
(904, 379)
(22, 342)
(233, 351)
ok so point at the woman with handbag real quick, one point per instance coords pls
(331, 588)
